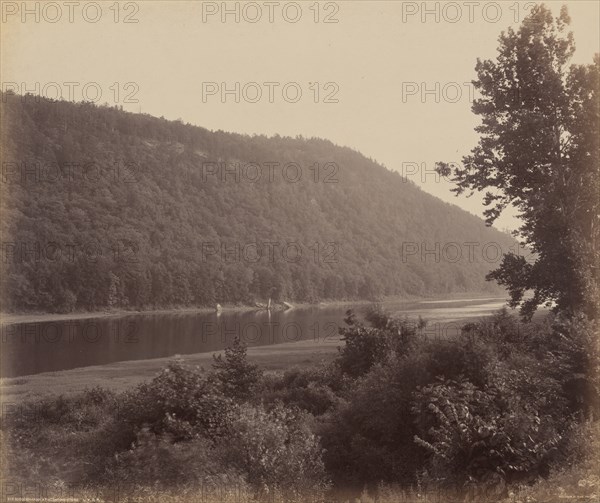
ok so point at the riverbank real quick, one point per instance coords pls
(123, 375)
(12, 318)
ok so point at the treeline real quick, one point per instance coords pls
(107, 209)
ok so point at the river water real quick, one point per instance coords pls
(32, 348)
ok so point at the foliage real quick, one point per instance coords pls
(575, 479)
(181, 402)
(498, 406)
(315, 390)
(474, 439)
(237, 375)
(104, 209)
(577, 354)
(52, 440)
(366, 346)
(155, 461)
(500, 379)
(539, 151)
(278, 452)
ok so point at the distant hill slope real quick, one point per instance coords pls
(103, 208)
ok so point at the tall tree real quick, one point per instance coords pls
(539, 152)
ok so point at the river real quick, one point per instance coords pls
(35, 347)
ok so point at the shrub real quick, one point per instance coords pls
(238, 377)
(314, 390)
(181, 402)
(577, 354)
(277, 451)
(369, 436)
(475, 439)
(155, 461)
(52, 440)
(575, 479)
(367, 346)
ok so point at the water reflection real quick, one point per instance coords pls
(31, 348)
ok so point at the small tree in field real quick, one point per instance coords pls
(239, 377)
(539, 152)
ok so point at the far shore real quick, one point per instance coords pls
(11, 318)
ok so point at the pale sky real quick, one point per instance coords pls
(375, 51)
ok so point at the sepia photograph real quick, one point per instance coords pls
(299, 251)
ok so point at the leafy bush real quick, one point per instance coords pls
(577, 353)
(367, 346)
(53, 440)
(181, 402)
(315, 390)
(368, 437)
(475, 440)
(277, 451)
(575, 479)
(492, 384)
(155, 461)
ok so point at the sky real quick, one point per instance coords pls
(390, 79)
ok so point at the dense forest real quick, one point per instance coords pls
(107, 209)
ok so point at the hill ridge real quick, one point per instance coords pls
(110, 209)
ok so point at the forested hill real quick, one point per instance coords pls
(103, 208)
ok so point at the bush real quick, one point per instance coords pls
(314, 390)
(474, 440)
(369, 436)
(238, 377)
(181, 402)
(575, 479)
(53, 440)
(577, 353)
(367, 346)
(155, 461)
(491, 374)
(277, 451)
